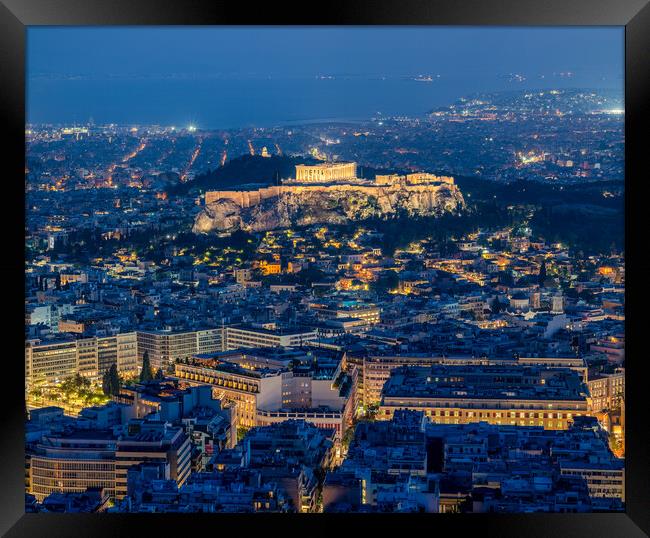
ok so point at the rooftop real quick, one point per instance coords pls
(485, 382)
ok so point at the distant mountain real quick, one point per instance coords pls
(247, 169)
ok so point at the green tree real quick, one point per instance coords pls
(498, 306)
(586, 296)
(111, 381)
(506, 278)
(347, 438)
(146, 374)
(160, 374)
(85, 383)
(388, 280)
(106, 385)
(241, 433)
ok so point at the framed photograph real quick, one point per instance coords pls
(376, 267)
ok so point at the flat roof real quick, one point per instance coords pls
(274, 332)
(477, 382)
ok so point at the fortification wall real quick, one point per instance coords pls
(246, 199)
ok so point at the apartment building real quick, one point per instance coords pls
(49, 362)
(152, 442)
(268, 387)
(73, 462)
(376, 369)
(249, 336)
(166, 347)
(508, 395)
(607, 391)
(55, 360)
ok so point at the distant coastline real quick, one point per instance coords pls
(238, 104)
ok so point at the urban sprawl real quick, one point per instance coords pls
(398, 315)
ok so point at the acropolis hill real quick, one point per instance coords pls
(327, 193)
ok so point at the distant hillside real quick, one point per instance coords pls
(588, 217)
(243, 170)
(543, 194)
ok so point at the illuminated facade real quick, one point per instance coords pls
(245, 336)
(97, 355)
(606, 480)
(376, 370)
(76, 460)
(72, 463)
(265, 390)
(165, 347)
(419, 178)
(369, 313)
(508, 395)
(326, 172)
(52, 362)
(607, 391)
(49, 362)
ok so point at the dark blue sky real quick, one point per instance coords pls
(162, 75)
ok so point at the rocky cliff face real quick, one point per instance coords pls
(333, 205)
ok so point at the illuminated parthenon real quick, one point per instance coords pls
(323, 173)
(335, 177)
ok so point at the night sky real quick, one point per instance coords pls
(235, 76)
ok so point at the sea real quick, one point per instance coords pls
(231, 103)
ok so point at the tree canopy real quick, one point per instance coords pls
(111, 381)
(146, 374)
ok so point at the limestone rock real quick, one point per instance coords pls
(333, 205)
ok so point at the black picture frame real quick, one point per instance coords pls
(16, 15)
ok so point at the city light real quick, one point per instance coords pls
(420, 310)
